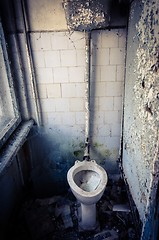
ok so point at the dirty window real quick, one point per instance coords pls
(9, 115)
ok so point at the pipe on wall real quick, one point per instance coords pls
(31, 66)
(87, 95)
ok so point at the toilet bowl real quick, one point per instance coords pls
(87, 181)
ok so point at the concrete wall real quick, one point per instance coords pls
(46, 15)
(141, 112)
(59, 60)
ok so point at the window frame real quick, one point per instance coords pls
(13, 122)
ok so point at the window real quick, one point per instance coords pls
(9, 113)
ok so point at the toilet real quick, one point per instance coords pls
(87, 181)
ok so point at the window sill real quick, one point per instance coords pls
(9, 127)
(14, 143)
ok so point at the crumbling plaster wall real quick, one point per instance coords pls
(141, 105)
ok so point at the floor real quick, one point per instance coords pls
(56, 218)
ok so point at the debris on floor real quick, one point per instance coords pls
(121, 208)
(107, 234)
(56, 218)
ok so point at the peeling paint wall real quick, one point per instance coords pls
(141, 110)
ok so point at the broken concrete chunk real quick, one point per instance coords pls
(107, 235)
(121, 208)
(67, 221)
(65, 212)
(66, 216)
(62, 209)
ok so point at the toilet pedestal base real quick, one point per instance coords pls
(88, 217)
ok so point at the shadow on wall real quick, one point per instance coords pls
(53, 153)
(105, 156)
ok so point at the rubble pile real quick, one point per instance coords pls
(56, 218)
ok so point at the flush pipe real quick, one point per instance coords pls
(87, 96)
(31, 67)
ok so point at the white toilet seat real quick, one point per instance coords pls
(84, 166)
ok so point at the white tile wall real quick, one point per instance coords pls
(59, 41)
(112, 116)
(114, 88)
(122, 38)
(100, 89)
(116, 130)
(52, 58)
(61, 104)
(44, 75)
(96, 73)
(80, 55)
(76, 74)
(120, 73)
(76, 41)
(59, 58)
(80, 117)
(108, 73)
(109, 39)
(47, 105)
(42, 90)
(41, 41)
(80, 89)
(39, 60)
(105, 103)
(117, 56)
(68, 118)
(117, 103)
(76, 104)
(98, 118)
(53, 90)
(100, 56)
(68, 90)
(60, 74)
(68, 58)
(104, 130)
(54, 118)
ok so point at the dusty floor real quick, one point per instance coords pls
(55, 218)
